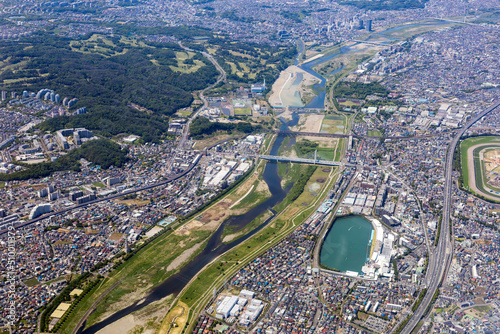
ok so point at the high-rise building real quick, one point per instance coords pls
(4, 95)
(72, 102)
(369, 25)
(39, 210)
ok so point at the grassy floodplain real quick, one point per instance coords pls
(153, 264)
(291, 214)
(199, 291)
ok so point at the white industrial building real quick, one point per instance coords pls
(223, 311)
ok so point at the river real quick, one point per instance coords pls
(347, 244)
(382, 37)
(175, 283)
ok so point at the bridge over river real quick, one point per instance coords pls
(305, 161)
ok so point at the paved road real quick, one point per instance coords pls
(131, 191)
(443, 253)
(222, 77)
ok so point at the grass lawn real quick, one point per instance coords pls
(482, 309)
(99, 184)
(333, 124)
(242, 111)
(184, 113)
(348, 104)
(31, 282)
(375, 133)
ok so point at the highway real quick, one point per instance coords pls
(131, 191)
(440, 258)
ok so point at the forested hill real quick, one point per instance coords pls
(107, 74)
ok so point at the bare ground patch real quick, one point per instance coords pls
(183, 257)
(309, 123)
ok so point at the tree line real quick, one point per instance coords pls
(202, 127)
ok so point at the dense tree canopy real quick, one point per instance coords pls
(107, 85)
(202, 127)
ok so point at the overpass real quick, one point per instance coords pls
(372, 43)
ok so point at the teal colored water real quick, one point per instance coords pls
(346, 244)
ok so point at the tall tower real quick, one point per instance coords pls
(127, 250)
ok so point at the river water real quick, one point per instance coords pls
(382, 37)
(175, 283)
(347, 244)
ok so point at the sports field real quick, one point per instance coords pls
(481, 167)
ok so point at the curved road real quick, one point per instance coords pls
(443, 254)
(222, 77)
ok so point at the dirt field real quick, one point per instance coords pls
(275, 99)
(309, 123)
(183, 257)
(211, 218)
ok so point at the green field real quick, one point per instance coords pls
(242, 112)
(375, 133)
(333, 124)
(31, 282)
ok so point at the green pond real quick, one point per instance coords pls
(347, 244)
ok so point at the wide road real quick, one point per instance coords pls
(128, 192)
(443, 253)
(222, 77)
